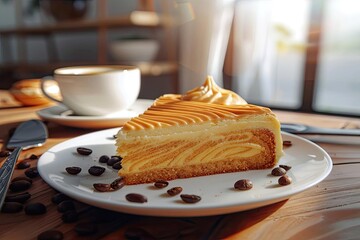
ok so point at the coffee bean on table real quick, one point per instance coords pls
(73, 170)
(117, 183)
(243, 184)
(278, 171)
(104, 159)
(284, 180)
(69, 216)
(286, 167)
(84, 151)
(96, 170)
(22, 178)
(35, 209)
(85, 229)
(23, 165)
(161, 184)
(32, 172)
(11, 207)
(135, 197)
(65, 206)
(190, 198)
(287, 143)
(51, 235)
(19, 186)
(174, 191)
(59, 197)
(20, 198)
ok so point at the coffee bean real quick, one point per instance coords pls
(69, 216)
(243, 184)
(22, 178)
(286, 167)
(23, 165)
(65, 206)
(12, 207)
(161, 184)
(84, 151)
(284, 180)
(174, 191)
(19, 186)
(32, 172)
(104, 159)
(4, 153)
(113, 160)
(51, 235)
(287, 143)
(190, 198)
(85, 229)
(278, 171)
(73, 170)
(35, 209)
(96, 170)
(33, 157)
(117, 166)
(102, 187)
(117, 183)
(20, 198)
(59, 197)
(135, 197)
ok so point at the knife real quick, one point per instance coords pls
(29, 134)
(305, 129)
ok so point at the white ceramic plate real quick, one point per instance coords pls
(60, 114)
(310, 165)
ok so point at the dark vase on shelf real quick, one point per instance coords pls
(64, 10)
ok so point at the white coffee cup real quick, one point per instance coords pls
(96, 90)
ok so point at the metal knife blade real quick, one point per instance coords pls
(32, 133)
(305, 129)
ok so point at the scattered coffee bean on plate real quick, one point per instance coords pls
(161, 183)
(70, 216)
(102, 187)
(73, 170)
(20, 198)
(284, 180)
(174, 191)
(84, 151)
(23, 165)
(117, 183)
(278, 171)
(135, 197)
(104, 159)
(243, 184)
(32, 172)
(35, 209)
(190, 198)
(51, 235)
(11, 207)
(117, 166)
(19, 186)
(113, 160)
(96, 170)
(85, 229)
(65, 206)
(287, 143)
(286, 167)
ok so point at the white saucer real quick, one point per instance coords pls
(60, 114)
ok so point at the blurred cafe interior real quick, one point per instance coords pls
(300, 55)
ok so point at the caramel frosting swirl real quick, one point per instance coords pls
(209, 92)
(208, 103)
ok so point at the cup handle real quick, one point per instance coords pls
(43, 89)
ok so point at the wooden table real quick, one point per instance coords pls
(329, 210)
